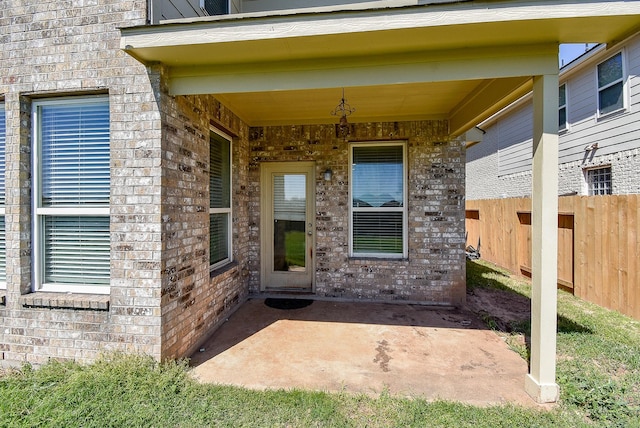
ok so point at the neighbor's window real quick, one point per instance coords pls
(219, 199)
(215, 7)
(599, 181)
(562, 107)
(378, 208)
(3, 247)
(71, 186)
(610, 85)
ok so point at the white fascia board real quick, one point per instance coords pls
(210, 30)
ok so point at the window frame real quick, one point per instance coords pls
(3, 143)
(622, 79)
(589, 183)
(404, 209)
(229, 210)
(563, 127)
(39, 212)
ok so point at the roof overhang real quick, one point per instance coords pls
(460, 61)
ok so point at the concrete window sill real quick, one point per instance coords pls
(223, 269)
(92, 302)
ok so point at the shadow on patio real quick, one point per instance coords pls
(411, 350)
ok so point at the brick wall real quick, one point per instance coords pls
(625, 173)
(434, 271)
(193, 300)
(53, 49)
(163, 300)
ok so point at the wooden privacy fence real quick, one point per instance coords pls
(598, 247)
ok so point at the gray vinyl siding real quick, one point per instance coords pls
(581, 98)
(614, 133)
(266, 5)
(515, 137)
(175, 9)
(633, 54)
(500, 166)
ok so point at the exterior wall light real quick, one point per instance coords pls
(328, 174)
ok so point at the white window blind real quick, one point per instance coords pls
(610, 85)
(75, 155)
(71, 195)
(378, 200)
(218, 232)
(219, 200)
(289, 197)
(76, 250)
(3, 246)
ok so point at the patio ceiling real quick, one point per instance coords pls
(462, 61)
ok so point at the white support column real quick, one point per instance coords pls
(541, 381)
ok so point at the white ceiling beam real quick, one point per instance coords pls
(476, 64)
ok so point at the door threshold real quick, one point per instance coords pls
(285, 293)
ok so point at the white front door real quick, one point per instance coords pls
(287, 225)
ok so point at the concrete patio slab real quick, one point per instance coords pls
(407, 350)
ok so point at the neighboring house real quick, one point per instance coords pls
(599, 132)
(158, 173)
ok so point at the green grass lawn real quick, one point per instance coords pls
(598, 372)
(295, 248)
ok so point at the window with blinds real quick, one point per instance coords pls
(219, 200)
(378, 194)
(71, 195)
(3, 246)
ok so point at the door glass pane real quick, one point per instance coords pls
(289, 218)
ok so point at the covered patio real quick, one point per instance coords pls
(453, 62)
(368, 348)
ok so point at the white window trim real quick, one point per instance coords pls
(39, 212)
(625, 91)
(229, 210)
(405, 211)
(585, 178)
(566, 109)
